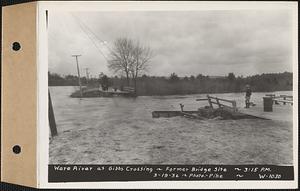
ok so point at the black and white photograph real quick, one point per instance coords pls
(201, 87)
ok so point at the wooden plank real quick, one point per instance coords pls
(214, 102)
(230, 101)
(191, 116)
(226, 100)
(52, 122)
(276, 97)
(202, 99)
(157, 114)
(280, 96)
(284, 101)
(217, 102)
(220, 104)
(287, 96)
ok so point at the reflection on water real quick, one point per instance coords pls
(92, 112)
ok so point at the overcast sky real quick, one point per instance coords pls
(187, 43)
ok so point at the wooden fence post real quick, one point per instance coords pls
(52, 123)
(209, 101)
(218, 102)
(234, 106)
(181, 107)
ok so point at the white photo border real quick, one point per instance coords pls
(42, 70)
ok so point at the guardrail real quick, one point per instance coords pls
(220, 102)
(281, 99)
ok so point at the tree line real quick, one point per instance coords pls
(174, 84)
(129, 59)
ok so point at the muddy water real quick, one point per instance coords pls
(122, 131)
(75, 113)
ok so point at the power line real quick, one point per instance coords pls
(93, 41)
(91, 31)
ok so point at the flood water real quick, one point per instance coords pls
(83, 113)
(121, 130)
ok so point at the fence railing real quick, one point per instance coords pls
(281, 99)
(220, 102)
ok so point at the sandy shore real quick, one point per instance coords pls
(175, 141)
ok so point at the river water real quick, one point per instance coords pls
(83, 113)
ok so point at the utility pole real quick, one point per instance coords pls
(76, 56)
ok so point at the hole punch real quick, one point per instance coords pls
(16, 149)
(16, 46)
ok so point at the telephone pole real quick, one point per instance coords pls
(76, 56)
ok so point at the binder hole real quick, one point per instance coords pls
(16, 149)
(16, 46)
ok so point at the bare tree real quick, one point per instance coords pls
(141, 55)
(129, 57)
(121, 57)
